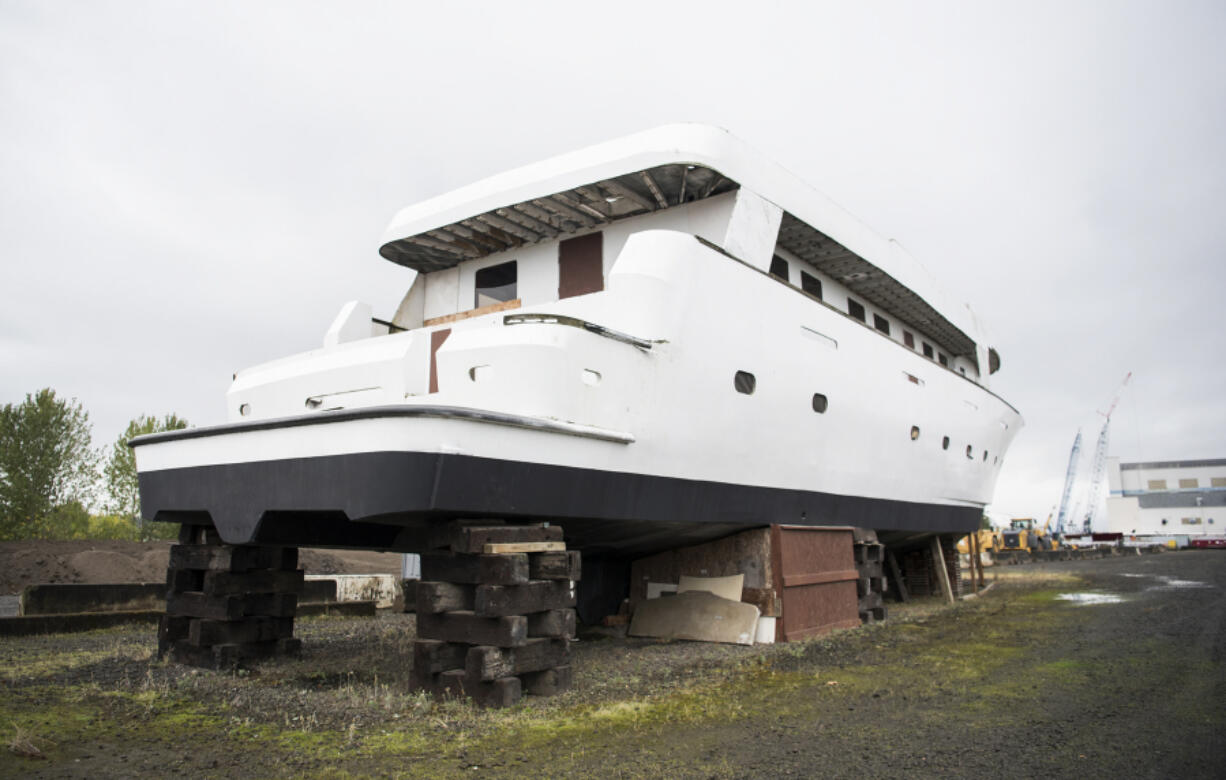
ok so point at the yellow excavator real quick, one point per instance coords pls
(1023, 536)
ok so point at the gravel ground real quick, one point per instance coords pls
(1022, 682)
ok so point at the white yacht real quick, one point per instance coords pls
(653, 341)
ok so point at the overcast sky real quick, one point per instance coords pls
(187, 189)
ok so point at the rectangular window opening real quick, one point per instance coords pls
(941, 357)
(1157, 484)
(1189, 483)
(779, 268)
(580, 265)
(856, 310)
(908, 339)
(881, 324)
(811, 284)
(495, 284)
(928, 350)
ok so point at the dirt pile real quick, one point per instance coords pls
(38, 562)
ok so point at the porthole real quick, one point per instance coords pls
(245, 409)
(1164, 521)
(744, 382)
(945, 443)
(819, 403)
(970, 452)
(914, 432)
(985, 456)
(480, 373)
(995, 459)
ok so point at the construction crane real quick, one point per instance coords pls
(1070, 476)
(1100, 462)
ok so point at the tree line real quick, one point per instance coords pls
(52, 480)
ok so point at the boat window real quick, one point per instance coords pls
(914, 432)
(985, 456)
(779, 268)
(881, 324)
(580, 265)
(811, 284)
(941, 357)
(908, 339)
(927, 350)
(970, 452)
(820, 404)
(495, 284)
(945, 443)
(745, 382)
(856, 310)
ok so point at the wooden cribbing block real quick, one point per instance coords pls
(200, 605)
(475, 538)
(475, 569)
(431, 656)
(555, 566)
(509, 631)
(435, 597)
(256, 629)
(231, 655)
(495, 693)
(184, 580)
(505, 548)
(227, 557)
(224, 583)
(558, 623)
(539, 596)
(492, 663)
(547, 682)
(198, 534)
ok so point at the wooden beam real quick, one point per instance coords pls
(442, 235)
(492, 308)
(938, 560)
(518, 231)
(551, 204)
(553, 219)
(620, 189)
(896, 571)
(433, 243)
(535, 225)
(478, 237)
(716, 180)
(506, 240)
(583, 207)
(655, 189)
(502, 548)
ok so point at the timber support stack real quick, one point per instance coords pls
(228, 604)
(495, 613)
(871, 586)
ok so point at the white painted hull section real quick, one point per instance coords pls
(676, 401)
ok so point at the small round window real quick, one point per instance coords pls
(744, 382)
(914, 432)
(820, 403)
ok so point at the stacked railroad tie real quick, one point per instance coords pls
(871, 586)
(227, 604)
(495, 614)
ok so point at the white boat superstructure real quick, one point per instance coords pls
(660, 339)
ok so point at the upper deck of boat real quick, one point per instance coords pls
(657, 170)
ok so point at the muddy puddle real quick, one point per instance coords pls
(1091, 597)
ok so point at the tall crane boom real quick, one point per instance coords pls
(1070, 476)
(1100, 461)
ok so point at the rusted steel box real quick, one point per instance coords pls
(815, 575)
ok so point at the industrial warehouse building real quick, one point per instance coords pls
(1167, 498)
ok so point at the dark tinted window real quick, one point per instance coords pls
(944, 360)
(495, 284)
(881, 324)
(856, 310)
(820, 404)
(779, 268)
(908, 339)
(811, 284)
(744, 382)
(927, 350)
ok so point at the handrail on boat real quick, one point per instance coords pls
(575, 322)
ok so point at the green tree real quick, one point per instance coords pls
(46, 464)
(122, 487)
